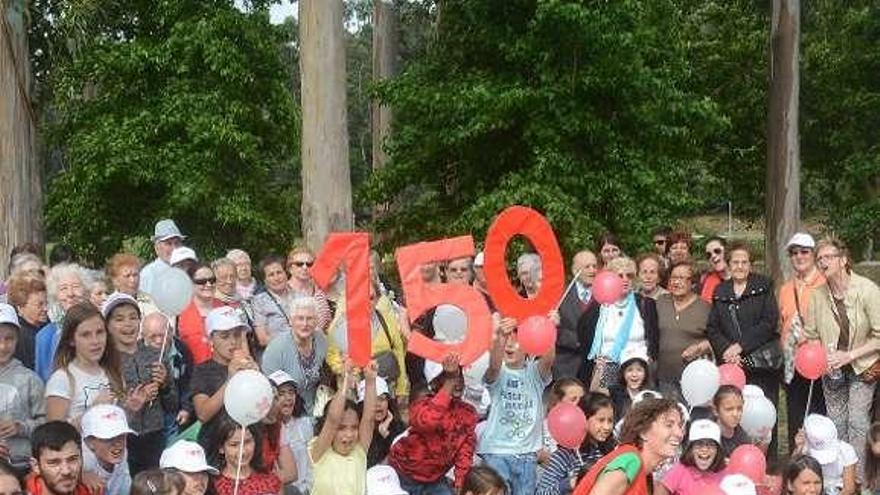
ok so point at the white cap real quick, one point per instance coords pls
(822, 443)
(9, 316)
(634, 352)
(280, 377)
(166, 229)
(104, 421)
(185, 456)
(223, 318)
(703, 429)
(115, 299)
(801, 239)
(381, 388)
(738, 484)
(180, 254)
(383, 480)
(479, 259)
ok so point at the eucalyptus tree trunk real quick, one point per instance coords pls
(385, 43)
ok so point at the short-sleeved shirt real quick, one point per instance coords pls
(687, 480)
(255, 484)
(515, 423)
(337, 474)
(207, 378)
(832, 473)
(86, 387)
(740, 437)
(296, 435)
(629, 463)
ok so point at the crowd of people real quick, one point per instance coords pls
(103, 393)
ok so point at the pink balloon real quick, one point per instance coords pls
(607, 287)
(536, 335)
(810, 360)
(567, 425)
(748, 460)
(732, 374)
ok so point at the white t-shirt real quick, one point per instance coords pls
(86, 388)
(296, 435)
(832, 474)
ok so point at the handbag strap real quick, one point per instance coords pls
(384, 328)
(278, 305)
(797, 300)
(732, 310)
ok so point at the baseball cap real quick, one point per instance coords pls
(185, 456)
(166, 229)
(182, 253)
(634, 352)
(383, 480)
(280, 377)
(801, 239)
(822, 443)
(105, 421)
(479, 259)
(381, 388)
(738, 484)
(114, 300)
(223, 318)
(8, 316)
(703, 429)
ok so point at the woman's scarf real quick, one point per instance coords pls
(623, 331)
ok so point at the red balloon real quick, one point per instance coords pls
(607, 287)
(810, 360)
(732, 374)
(536, 335)
(567, 425)
(748, 460)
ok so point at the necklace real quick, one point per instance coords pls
(679, 307)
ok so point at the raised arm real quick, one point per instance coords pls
(503, 328)
(333, 417)
(367, 426)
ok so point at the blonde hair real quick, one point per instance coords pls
(621, 263)
(841, 248)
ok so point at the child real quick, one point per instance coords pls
(728, 406)
(566, 464)
(105, 431)
(276, 453)
(872, 460)
(837, 458)
(339, 453)
(803, 476)
(253, 478)
(483, 480)
(700, 465)
(633, 377)
(297, 427)
(569, 390)
(188, 459)
(158, 482)
(21, 395)
(388, 423)
(513, 434)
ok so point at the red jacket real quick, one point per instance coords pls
(34, 487)
(191, 328)
(639, 486)
(441, 434)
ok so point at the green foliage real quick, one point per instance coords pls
(178, 109)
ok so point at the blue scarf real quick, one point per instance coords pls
(623, 331)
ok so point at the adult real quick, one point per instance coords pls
(681, 317)
(479, 282)
(844, 314)
(57, 461)
(650, 271)
(651, 435)
(166, 237)
(184, 258)
(679, 247)
(660, 238)
(625, 326)
(245, 284)
(794, 303)
(608, 248)
(716, 255)
(96, 286)
(743, 326)
(191, 323)
(123, 269)
(570, 350)
(272, 306)
(225, 273)
(65, 289)
(528, 271)
(300, 351)
(27, 294)
(460, 271)
(299, 263)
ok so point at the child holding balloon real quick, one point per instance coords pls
(252, 477)
(700, 465)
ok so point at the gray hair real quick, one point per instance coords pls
(238, 255)
(90, 278)
(60, 272)
(531, 262)
(307, 303)
(222, 262)
(20, 259)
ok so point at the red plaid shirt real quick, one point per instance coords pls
(441, 434)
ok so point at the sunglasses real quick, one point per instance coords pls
(301, 264)
(714, 252)
(659, 242)
(205, 281)
(804, 251)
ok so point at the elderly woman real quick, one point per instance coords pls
(245, 284)
(299, 261)
(27, 294)
(272, 306)
(651, 435)
(681, 317)
(460, 270)
(191, 323)
(65, 289)
(625, 326)
(678, 247)
(528, 270)
(96, 287)
(844, 314)
(649, 276)
(718, 271)
(300, 351)
(225, 273)
(124, 271)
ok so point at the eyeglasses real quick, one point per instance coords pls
(458, 270)
(801, 251)
(205, 281)
(301, 264)
(714, 252)
(659, 242)
(828, 257)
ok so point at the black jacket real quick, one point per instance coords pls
(756, 311)
(570, 350)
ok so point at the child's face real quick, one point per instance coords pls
(730, 411)
(347, 433)
(233, 444)
(225, 342)
(196, 483)
(123, 324)
(514, 357)
(8, 339)
(573, 394)
(806, 483)
(110, 451)
(601, 424)
(634, 376)
(704, 452)
(286, 400)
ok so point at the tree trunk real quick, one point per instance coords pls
(783, 209)
(20, 175)
(384, 65)
(326, 175)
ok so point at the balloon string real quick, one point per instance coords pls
(238, 468)
(809, 398)
(570, 284)
(165, 336)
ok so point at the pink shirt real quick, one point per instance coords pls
(685, 480)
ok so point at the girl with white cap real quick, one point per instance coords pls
(188, 459)
(700, 465)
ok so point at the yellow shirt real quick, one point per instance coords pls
(336, 474)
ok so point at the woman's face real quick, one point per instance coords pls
(36, 308)
(664, 436)
(459, 271)
(704, 452)
(243, 269)
(601, 424)
(196, 483)
(628, 275)
(127, 280)
(303, 322)
(299, 267)
(70, 292)
(740, 265)
(680, 281)
(346, 433)
(204, 283)
(90, 340)
(123, 324)
(381, 408)
(634, 375)
(98, 294)
(276, 277)
(286, 400)
(806, 483)
(802, 259)
(715, 256)
(233, 444)
(830, 261)
(609, 252)
(225, 275)
(678, 252)
(649, 274)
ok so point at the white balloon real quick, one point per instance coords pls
(759, 417)
(173, 291)
(248, 397)
(450, 324)
(752, 391)
(699, 382)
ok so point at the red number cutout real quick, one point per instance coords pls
(421, 297)
(352, 250)
(519, 220)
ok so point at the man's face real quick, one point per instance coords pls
(59, 469)
(585, 265)
(459, 271)
(164, 248)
